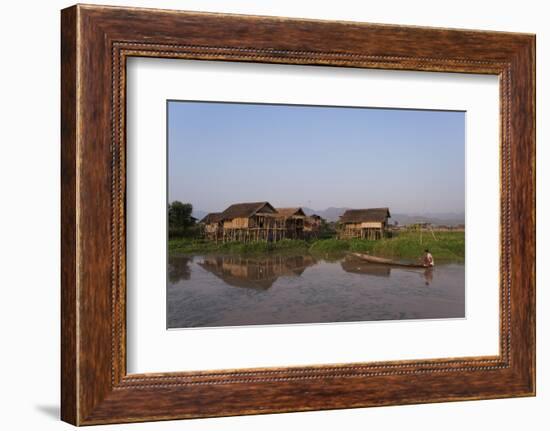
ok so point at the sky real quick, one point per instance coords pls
(411, 161)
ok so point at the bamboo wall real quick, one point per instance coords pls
(365, 230)
(260, 227)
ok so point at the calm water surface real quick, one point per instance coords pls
(208, 291)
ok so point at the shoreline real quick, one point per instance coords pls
(447, 246)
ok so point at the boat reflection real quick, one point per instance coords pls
(357, 266)
(254, 272)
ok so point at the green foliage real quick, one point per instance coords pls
(411, 245)
(180, 221)
(184, 232)
(327, 230)
(190, 246)
(406, 245)
(329, 246)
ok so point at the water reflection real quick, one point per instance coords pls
(256, 273)
(357, 266)
(428, 276)
(217, 290)
(178, 268)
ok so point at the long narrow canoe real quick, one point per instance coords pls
(382, 261)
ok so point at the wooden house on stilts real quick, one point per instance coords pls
(252, 221)
(369, 223)
(312, 226)
(293, 219)
(259, 221)
(212, 225)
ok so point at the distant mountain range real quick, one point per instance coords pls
(332, 214)
(437, 219)
(329, 214)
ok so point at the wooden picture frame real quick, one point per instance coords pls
(95, 43)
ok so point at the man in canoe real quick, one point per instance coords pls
(428, 259)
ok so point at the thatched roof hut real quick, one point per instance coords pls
(212, 225)
(367, 223)
(247, 210)
(252, 221)
(365, 215)
(291, 212)
(312, 225)
(211, 218)
(293, 219)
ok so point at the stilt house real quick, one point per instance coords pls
(212, 226)
(312, 226)
(293, 219)
(252, 221)
(369, 223)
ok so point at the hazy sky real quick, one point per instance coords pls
(408, 160)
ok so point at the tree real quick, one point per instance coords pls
(179, 215)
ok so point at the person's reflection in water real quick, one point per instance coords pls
(428, 276)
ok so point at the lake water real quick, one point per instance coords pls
(211, 291)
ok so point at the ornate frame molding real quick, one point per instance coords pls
(96, 41)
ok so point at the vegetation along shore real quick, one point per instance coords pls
(404, 245)
(256, 228)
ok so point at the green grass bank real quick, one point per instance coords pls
(405, 245)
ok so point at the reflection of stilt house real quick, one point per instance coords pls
(257, 273)
(368, 223)
(312, 226)
(293, 219)
(254, 221)
(212, 226)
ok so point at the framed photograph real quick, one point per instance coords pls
(264, 215)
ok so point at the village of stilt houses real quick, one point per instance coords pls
(358, 215)
(261, 221)
(256, 263)
(251, 224)
(279, 255)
